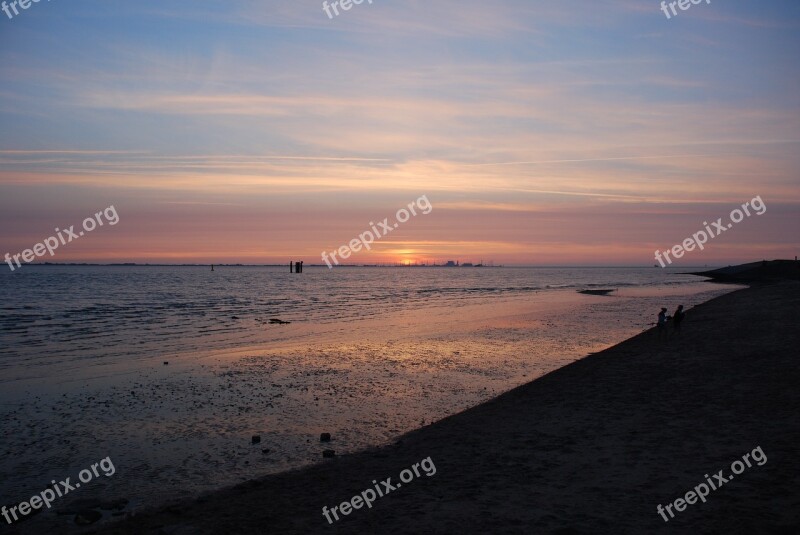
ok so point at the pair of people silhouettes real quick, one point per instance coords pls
(663, 318)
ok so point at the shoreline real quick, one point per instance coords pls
(297, 335)
(594, 445)
(185, 429)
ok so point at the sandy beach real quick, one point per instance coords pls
(592, 447)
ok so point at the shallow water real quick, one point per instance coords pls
(81, 316)
(370, 354)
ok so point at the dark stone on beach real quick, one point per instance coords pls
(276, 321)
(596, 292)
(265, 451)
(256, 439)
(234, 317)
(328, 454)
(87, 517)
(325, 437)
(166, 363)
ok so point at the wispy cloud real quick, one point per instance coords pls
(528, 121)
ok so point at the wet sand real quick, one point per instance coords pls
(179, 430)
(592, 447)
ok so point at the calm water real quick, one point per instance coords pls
(55, 314)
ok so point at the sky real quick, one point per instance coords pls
(571, 132)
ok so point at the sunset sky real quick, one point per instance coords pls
(572, 132)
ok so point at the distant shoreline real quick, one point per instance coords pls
(506, 266)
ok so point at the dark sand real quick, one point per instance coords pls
(590, 448)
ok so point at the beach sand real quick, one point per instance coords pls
(591, 447)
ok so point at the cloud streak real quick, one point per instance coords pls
(526, 123)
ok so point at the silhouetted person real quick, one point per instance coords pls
(301, 266)
(297, 267)
(677, 318)
(290, 266)
(661, 325)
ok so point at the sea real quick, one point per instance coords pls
(190, 380)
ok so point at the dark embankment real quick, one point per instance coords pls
(755, 272)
